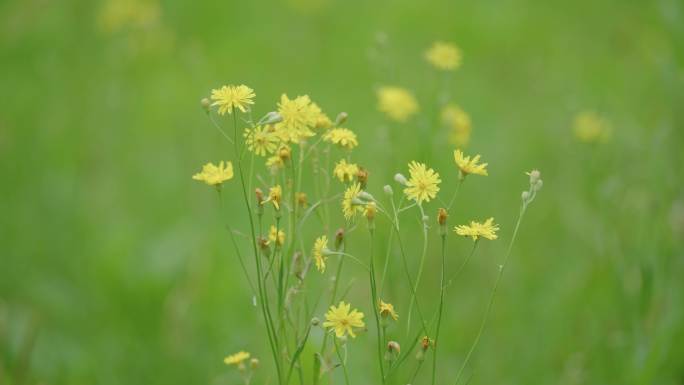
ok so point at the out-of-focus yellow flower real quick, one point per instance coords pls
(476, 230)
(299, 116)
(444, 56)
(237, 358)
(275, 164)
(116, 15)
(349, 205)
(342, 321)
(275, 195)
(342, 137)
(261, 140)
(387, 310)
(469, 166)
(458, 122)
(322, 120)
(276, 235)
(589, 127)
(397, 103)
(370, 210)
(422, 184)
(229, 97)
(344, 171)
(320, 246)
(215, 175)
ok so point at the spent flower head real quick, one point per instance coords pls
(275, 195)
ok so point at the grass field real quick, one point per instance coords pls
(116, 268)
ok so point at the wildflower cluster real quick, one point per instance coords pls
(290, 230)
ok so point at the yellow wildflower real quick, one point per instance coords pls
(276, 235)
(476, 230)
(387, 310)
(298, 118)
(344, 171)
(318, 252)
(229, 97)
(237, 358)
(342, 321)
(591, 128)
(398, 103)
(458, 123)
(466, 165)
(261, 140)
(349, 206)
(342, 137)
(444, 56)
(275, 163)
(275, 195)
(422, 184)
(215, 175)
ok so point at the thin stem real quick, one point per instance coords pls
(493, 295)
(374, 306)
(441, 308)
(295, 357)
(420, 270)
(342, 362)
(453, 198)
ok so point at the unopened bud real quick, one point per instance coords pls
(339, 237)
(341, 118)
(362, 177)
(259, 196)
(425, 343)
(534, 176)
(206, 104)
(400, 179)
(254, 363)
(442, 216)
(284, 153)
(538, 186)
(393, 346)
(366, 195)
(369, 211)
(270, 118)
(315, 321)
(388, 190)
(301, 199)
(525, 196)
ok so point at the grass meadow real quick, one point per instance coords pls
(117, 268)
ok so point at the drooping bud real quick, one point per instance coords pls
(341, 118)
(206, 104)
(393, 347)
(270, 118)
(400, 179)
(388, 190)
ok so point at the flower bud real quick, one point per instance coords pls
(369, 211)
(315, 321)
(538, 186)
(270, 118)
(206, 104)
(301, 199)
(400, 179)
(525, 196)
(284, 153)
(259, 196)
(425, 343)
(339, 237)
(442, 216)
(388, 190)
(341, 118)
(534, 176)
(362, 177)
(366, 195)
(393, 346)
(254, 363)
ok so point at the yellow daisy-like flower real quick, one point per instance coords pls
(276, 235)
(344, 171)
(342, 321)
(387, 310)
(320, 245)
(215, 175)
(237, 358)
(299, 116)
(422, 184)
(476, 230)
(397, 103)
(444, 56)
(591, 128)
(458, 122)
(466, 165)
(349, 206)
(275, 195)
(342, 137)
(261, 140)
(275, 163)
(229, 97)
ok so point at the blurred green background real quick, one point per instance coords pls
(115, 267)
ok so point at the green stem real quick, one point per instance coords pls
(420, 271)
(374, 306)
(342, 361)
(492, 296)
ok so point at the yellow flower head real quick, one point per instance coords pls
(318, 252)
(422, 184)
(237, 358)
(469, 166)
(275, 195)
(215, 175)
(387, 310)
(229, 97)
(591, 128)
(458, 122)
(342, 137)
(397, 103)
(261, 140)
(344, 171)
(342, 321)
(299, 116)
(444, 56)
(370, 210)
(275, 163)
(349, 205)
(276, 235)
(322, 120)
(476, 230)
